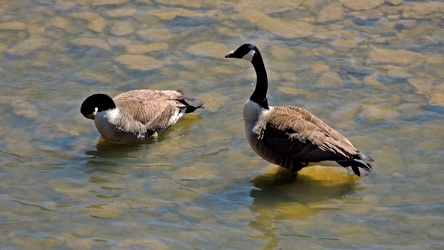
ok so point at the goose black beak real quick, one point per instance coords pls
(230, 55)
(89, 116)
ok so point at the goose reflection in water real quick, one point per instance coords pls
(278, 197)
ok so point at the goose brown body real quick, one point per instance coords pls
(139, 115)
(290, 136)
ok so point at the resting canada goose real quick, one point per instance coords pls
(289, 136)
(137, 115)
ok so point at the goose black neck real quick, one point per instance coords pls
(259, 95)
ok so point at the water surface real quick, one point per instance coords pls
(373, 70)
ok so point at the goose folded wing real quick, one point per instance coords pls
(149, 94)
(296, 132)
(155, 115)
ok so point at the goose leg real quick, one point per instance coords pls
(296, 167)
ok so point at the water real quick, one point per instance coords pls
(373, 70)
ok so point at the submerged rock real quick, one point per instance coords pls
(362, 5)
(59, 22)
(423, 10)
(114, 41)
(29, 45)
(437, 99)
(139, 62)
(375, 112)
(406, 24)
(145, 48)
(331, 13)
(139, 243)
(25, 109)
(121, 12)
(91, 77)
(319, 67)
(436, 61)
(367, 17)
(91, 42)
(122, 28)
(395, 57)
(347, 43)
(398, 74)
(13, 25)
(108, 2)
(155, 34)
(279, 6)
(85, 15)
(285, 29)
(394, 2)
(429, 87)
(183, 3)
(3, 47)
(97, 25)
(166, 14)
(210, 49)
(331, 79)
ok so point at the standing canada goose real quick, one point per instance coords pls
(289, 136)
(137, 115)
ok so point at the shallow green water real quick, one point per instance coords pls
(373, 70)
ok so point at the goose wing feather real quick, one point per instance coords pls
(149, 94)
(149, 111)
(295, 132)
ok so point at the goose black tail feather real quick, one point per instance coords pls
(191, 103)
(360, 164)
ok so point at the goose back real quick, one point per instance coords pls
(142, 114)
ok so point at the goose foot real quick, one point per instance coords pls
(297, 166)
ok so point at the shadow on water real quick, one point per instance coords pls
(312, 184)
(106, 157)
(278, 197)
(106, 149)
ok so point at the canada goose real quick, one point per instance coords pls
(289, 136)
(137, 115)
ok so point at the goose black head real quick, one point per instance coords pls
(246, 51)
(96, 103)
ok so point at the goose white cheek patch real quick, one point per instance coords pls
(249, 55)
